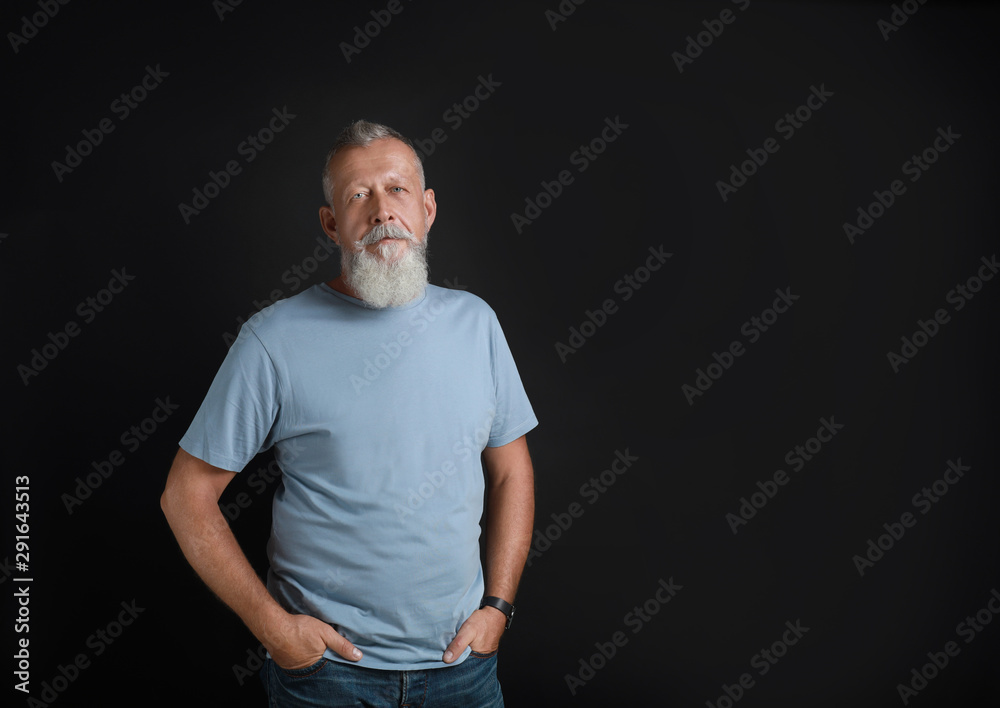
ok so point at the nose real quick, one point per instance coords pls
(381, 212)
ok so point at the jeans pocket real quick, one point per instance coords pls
(483, 655)
(306, 671)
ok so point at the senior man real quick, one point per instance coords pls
(382, 396)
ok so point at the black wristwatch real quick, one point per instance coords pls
(503, 606)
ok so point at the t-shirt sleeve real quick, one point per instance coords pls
(514, 416)
(238, 417)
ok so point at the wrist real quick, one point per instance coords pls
(269, 624)
(501, 606)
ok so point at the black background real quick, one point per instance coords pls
(654, 185)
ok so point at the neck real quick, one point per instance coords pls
(341, 286)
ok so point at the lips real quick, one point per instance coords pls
(387, 239)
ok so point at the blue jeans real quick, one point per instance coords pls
(334, 684)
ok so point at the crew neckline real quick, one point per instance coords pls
(362, 304)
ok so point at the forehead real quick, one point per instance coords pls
(379, 159)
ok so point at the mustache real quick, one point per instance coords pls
(381, 231)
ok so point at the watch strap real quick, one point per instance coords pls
(502, 605)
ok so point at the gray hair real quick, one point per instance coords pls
(362, 133)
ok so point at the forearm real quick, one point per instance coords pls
(510, 516)
(212, 550)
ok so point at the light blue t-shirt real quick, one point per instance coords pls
(378, 418)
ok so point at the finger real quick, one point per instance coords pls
(463, 639)
(339, 643)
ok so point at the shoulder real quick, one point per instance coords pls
(461, 299)
(273, 320)
(462, 307)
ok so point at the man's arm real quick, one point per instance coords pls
(190, 502)
(510, 514)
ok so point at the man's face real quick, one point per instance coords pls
(377, 185)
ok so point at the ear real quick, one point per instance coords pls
(430, 207)
(329, 223)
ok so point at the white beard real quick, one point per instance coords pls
(384, 280)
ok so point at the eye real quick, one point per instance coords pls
(357, 194)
